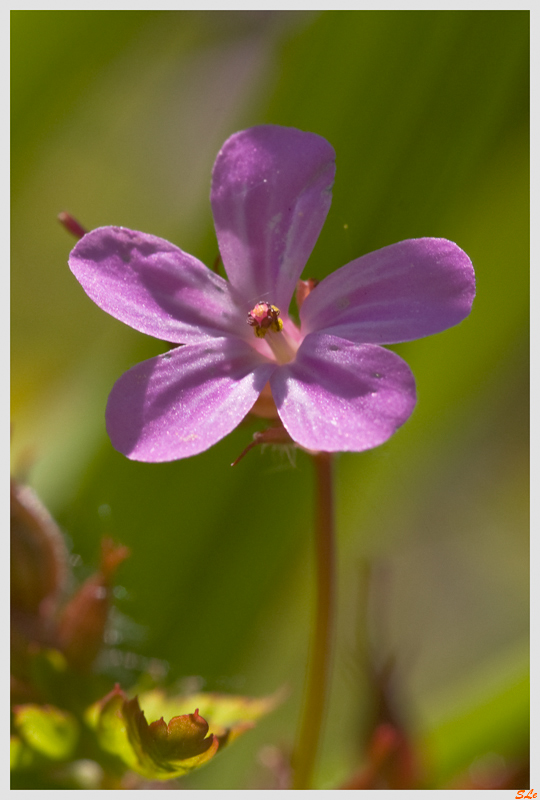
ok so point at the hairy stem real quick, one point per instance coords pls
(318, 674)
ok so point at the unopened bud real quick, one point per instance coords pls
(83, 621)
(38, 554)
(71, 224)
(303, 288)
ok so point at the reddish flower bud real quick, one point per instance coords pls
(71, 224)
(82, 624)
(303, 288)
(38, 555)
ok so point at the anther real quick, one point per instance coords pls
(263, 318)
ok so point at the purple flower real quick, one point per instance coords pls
(334, 387)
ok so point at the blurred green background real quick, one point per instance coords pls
(117, 117)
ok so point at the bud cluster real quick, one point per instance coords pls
(40, 614)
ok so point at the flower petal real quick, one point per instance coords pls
(337, 395)
(153, 286)
(183, 402)
(271, 191)
(401, 292)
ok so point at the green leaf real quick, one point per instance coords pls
(48, 730)
(107, 719)
(228, 715)
(483, 719)
(157, 751)
(167, 751)
(161, 751)
(20, 755)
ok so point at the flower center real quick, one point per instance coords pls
(264, 319)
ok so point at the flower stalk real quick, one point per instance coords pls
(319, 665)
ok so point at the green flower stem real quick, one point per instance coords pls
(321, 644)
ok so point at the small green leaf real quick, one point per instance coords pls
(161, 751)
(106, 717)
(157, 751)
(20, 755)
(167, 751)
(228, 715)
(48, 730)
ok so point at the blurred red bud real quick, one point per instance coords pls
(38, 554)
(390, 762)
(71, 224)
(83, 620)
(303, 288)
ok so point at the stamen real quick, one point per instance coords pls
(264, 319)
